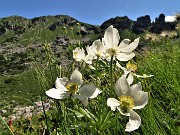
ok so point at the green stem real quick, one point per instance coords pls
(79, 30)
(81, 65)
(50, 64)
(96, 70)
(111, 72)
(73, 66)
(72, 32)
(70, 68)
(6, 125)
(44, 112)
(74, 120)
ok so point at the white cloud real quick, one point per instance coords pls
(170, 18)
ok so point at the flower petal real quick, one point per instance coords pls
(130, 47)
(111, 37)
(89, 50)
(143, 76)
(122, 87)
(140, 97)
(82, 98)
(113, 103)
(76, 77)
(134, 122)
(89, 90)
(98, 48)
(56, 93)
(135, 89)
(63, 80)
(125, 56)
(123, 113)
(141, 100)
(124, 43)
(59, 85)
(130, 78)
(88, 59)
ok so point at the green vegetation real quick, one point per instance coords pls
(160, 116)
(16, 89)
(163, 112)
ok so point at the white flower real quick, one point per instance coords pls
(129, 98)
(98, 49)
(79, 55)
(73, 87)
(129, 72)
(122, 51)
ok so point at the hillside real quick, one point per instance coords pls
(20, 36)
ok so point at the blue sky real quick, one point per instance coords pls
(89, 11)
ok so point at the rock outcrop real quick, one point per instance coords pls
(2, 31)
(118, 22)
(160, 25)
(142, 24)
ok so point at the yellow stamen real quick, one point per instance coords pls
(72, 87)
(126, 103)
(131, 67)
(75, 53)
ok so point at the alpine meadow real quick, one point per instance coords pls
(60, 76)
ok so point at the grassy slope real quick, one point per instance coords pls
(162, 114)
(18, 88)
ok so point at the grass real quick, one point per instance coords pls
(18, 89)
(163, 62)
(161, 116)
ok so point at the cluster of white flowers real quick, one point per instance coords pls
(107, 47)
(130, 96)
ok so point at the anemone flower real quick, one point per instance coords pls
(79, 55)
(122, 51)
(73, 88)
(97, 49)
(129, 98)
(129, 72)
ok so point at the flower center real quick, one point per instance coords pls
(75, 54)
(126, 103)
(131, 67)
(72, 87)
(111, 51)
